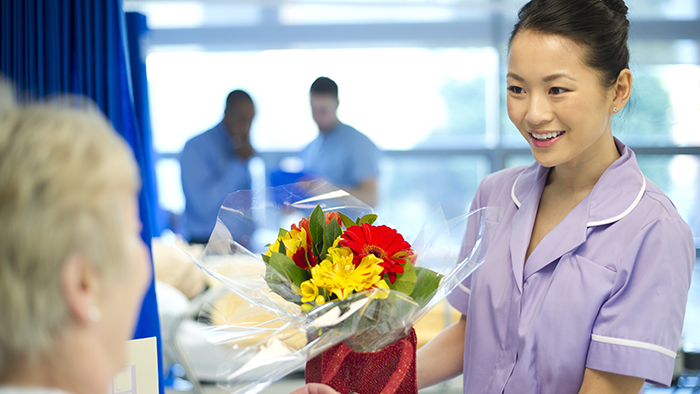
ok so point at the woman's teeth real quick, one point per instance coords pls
(543, 137)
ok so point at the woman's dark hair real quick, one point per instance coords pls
(599, 26)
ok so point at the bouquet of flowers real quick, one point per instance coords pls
(320, 262)
(334, 294)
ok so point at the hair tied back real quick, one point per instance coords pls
(619, 8)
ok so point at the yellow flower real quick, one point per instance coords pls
(293, 241)
(339, 275)
(310, 295)
(322, 274)
(368, 273)
(342, 256)
(309, 291)
(381, 291)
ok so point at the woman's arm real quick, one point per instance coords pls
(600, 382)
(443, 357)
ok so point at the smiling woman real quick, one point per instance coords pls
(555, 98)
(587, 241)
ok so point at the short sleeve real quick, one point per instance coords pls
(459, 297)
(364, 159)
(637, 330)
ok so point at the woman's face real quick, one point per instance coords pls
(122, 296)
(557, 102)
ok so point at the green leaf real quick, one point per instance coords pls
(282, 248)
(265, 258)
(286, 267)
(426, 285)
(346, 220)
(282, 233)
(317, 228)
(280, 285)
(405, 282)
(369, 218)
(333, 231)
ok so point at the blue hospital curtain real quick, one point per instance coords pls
(81, 47)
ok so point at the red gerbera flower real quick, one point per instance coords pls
(383, 242)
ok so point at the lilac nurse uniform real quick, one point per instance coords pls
(606, 289)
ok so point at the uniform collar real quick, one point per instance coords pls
(614, 196)
(618, 191)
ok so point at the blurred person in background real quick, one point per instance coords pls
(215, 164)
(340, 154)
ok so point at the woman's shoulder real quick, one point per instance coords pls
(656, 207)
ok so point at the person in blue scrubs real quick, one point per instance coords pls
(340, 154)
(214, 164)
(584, 285)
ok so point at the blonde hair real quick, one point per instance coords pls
(61, 170)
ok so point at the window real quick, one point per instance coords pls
(423, 79)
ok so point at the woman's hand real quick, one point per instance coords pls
(600, 382)
(315, 388)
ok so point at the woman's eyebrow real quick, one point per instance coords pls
(548, 78)
(557, 76)
(516, 77)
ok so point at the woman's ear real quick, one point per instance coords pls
(80, 285)
(623, 90)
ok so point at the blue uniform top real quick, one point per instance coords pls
(343, 156)
(210, 171)
(606, 289)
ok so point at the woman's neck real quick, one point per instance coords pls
(74, 365)
(580, 175)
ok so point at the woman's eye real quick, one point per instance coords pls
(557, 90)
(515, 89)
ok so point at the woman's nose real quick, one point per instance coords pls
(539, 111)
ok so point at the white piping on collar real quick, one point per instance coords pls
(627, 211)
(512, 191)
(599, 222)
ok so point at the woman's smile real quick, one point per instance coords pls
(557, 102)
(543, 139)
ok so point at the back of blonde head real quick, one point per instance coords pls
(60, 169)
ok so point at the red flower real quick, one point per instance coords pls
(383, 242)
(303, 223)
(304, 257)
(333, 215)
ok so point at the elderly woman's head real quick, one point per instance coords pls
(73, 268)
